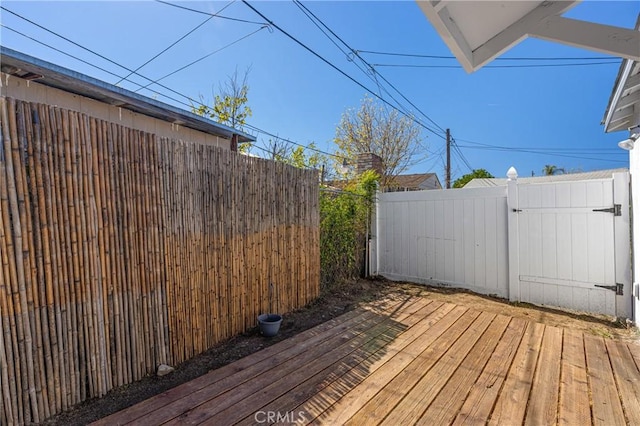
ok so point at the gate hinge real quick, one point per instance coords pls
(616, 210)
(617, 288)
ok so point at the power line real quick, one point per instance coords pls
(314, 53)
(64, 38)
(551, 154)
(176, 42)
(457, 150)
(371, 73)
(63, 52)
(88, 50)
(497, 66)
(547, 151)
(259, 130)
(372, 68)
(118, 64)
(575, 150)
(531, 58)
(202, 58)
(210, 14)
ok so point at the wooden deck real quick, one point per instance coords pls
(412, 361)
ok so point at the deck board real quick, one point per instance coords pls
(511, 405)
(484, 392)
(447, 403)
(409, 360)
(606, 408)
(377, 408)
(410, 409)
(574, 387)
(627, 379)
(352, 398)
(543, 400)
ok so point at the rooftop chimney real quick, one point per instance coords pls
(368, 161)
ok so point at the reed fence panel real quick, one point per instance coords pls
(121, 250)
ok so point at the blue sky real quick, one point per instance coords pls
(293, 94)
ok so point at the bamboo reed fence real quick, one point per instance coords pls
(121, 251)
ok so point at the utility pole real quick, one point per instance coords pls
(447, 178)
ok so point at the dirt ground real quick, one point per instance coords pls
(332, 304)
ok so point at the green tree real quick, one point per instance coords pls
(550, 170)
(297, 156)
(230, 106)
(477, 173)
(386, 133)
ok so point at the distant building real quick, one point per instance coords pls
(596, 174)
(413, 182)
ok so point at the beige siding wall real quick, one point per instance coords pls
(30, 91)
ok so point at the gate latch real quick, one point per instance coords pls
(616, 210)
(617, 288)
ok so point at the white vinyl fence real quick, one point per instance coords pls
(560, 244)
(455, 237)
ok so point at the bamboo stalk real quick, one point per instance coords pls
(13, 404)
(61, 226)
(147, 234)
(16, 202)
(35, 262)
(120, 196)
(75, 295)
(83, 326)
(141, 206)
(101, 278)
(46, 289)
(156, 203)
(53, 291)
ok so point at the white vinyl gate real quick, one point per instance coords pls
(564, 235)
(564, 244)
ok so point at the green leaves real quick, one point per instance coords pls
(344, 223)
(230, 105)
(477, 173)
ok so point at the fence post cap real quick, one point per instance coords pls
(512, 173)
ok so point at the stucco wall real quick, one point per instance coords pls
(18, 88)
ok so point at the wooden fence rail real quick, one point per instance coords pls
(121, 251)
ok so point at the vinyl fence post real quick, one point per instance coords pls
(374, 242)
(513, 236)
(623, 248)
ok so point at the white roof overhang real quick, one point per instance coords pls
(623, 109)
(479, 31)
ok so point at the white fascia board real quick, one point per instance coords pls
(616, 41)
(439, 17)
(617, 93)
